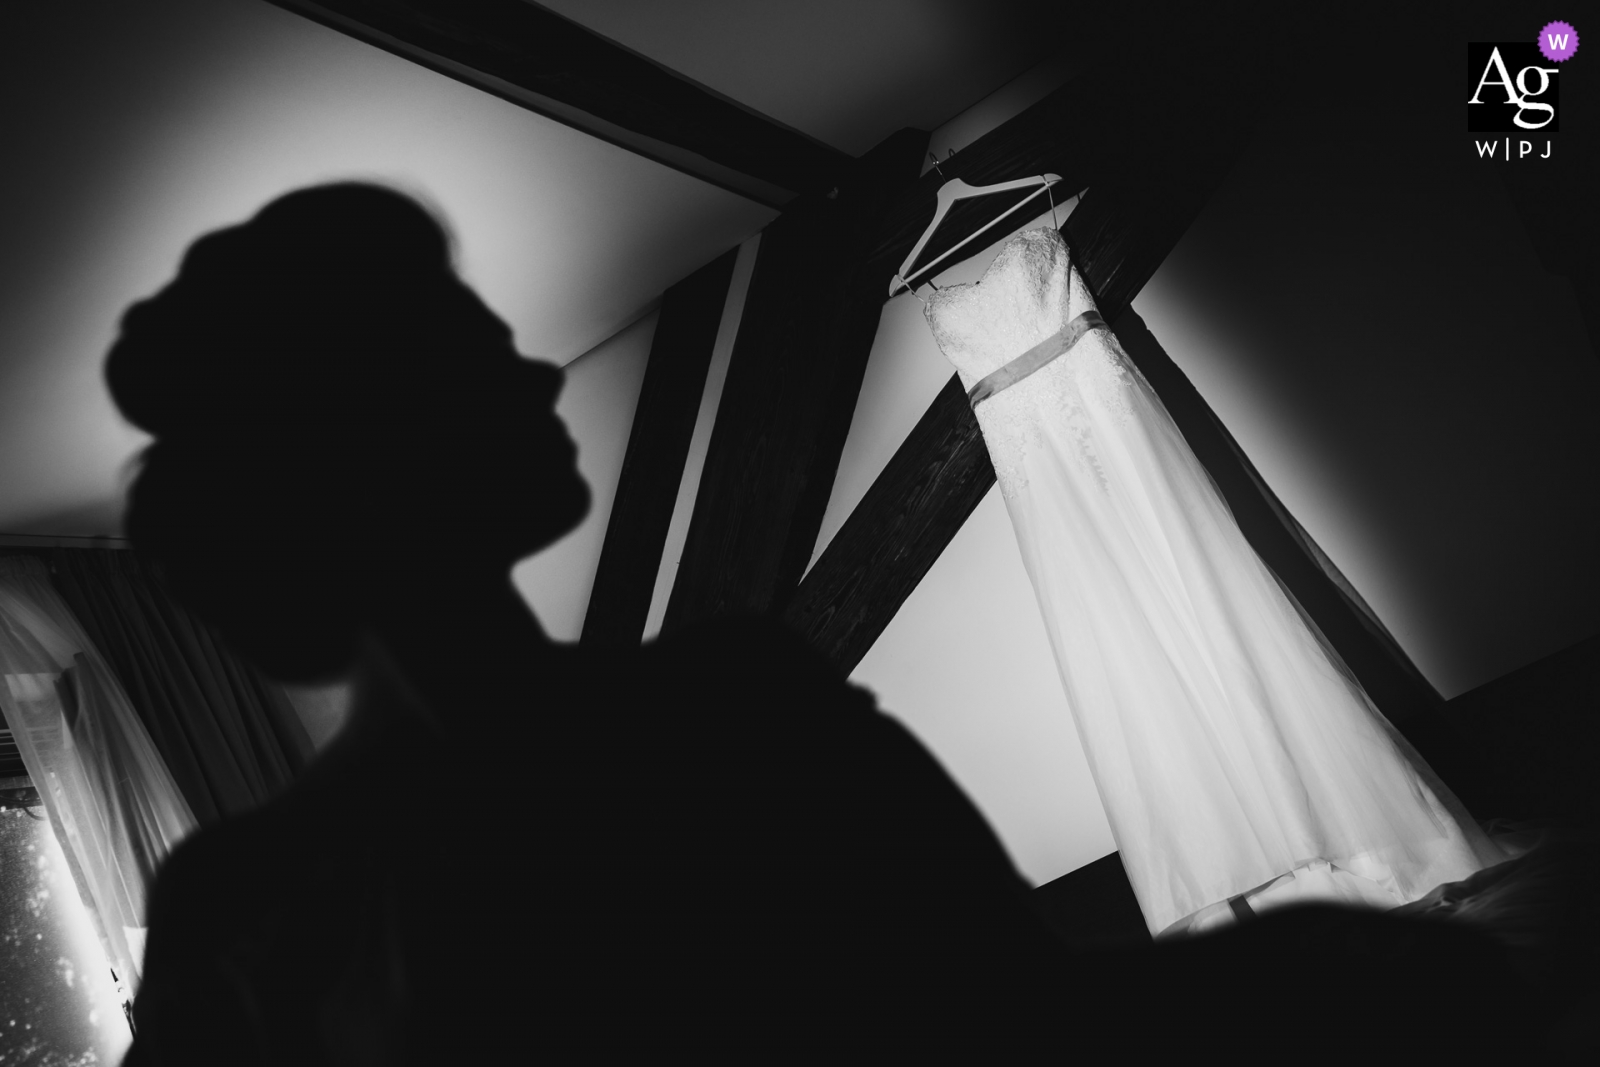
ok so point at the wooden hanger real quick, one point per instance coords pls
(951, 191)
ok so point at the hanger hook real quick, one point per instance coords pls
(909, 288)
(935, 160)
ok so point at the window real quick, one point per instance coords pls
(59, 1003)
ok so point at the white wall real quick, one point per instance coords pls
(966, 666)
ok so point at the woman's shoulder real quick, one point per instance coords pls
(207, 893)
(251, 862)
(228, 849)
(763, 690)
(237, 899)
(217, 885)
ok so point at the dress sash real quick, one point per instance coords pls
(1034, 358)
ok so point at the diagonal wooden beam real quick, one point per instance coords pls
(1151, 145)
(933, 483)
(809, 319)
(658, 446)
(540, 60)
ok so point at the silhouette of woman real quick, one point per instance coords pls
(514, 847)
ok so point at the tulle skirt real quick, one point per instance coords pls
(1234, 752)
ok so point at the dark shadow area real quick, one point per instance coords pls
(1094, 907)
(1536, 734)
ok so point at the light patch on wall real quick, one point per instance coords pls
(597, 404)
(323, 709)
(966, 665)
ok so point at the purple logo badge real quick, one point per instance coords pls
(1558, 41)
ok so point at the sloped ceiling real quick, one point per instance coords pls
(133, 128)
(846, 72)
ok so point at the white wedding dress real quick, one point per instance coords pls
(1233, 751)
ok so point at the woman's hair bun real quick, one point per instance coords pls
(278, 316)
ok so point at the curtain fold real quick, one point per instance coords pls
(113, 804)
(227, 732)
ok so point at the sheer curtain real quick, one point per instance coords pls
(229, 735)
(109, 796)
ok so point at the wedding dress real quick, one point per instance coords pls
(1234, 752)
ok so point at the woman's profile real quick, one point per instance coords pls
(513, 848)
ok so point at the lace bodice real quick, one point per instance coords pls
(1027, 294)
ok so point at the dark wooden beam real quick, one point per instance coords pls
(658, 446)
(808, 323)
(1151, 144)
(929, 488)
(542, 61)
